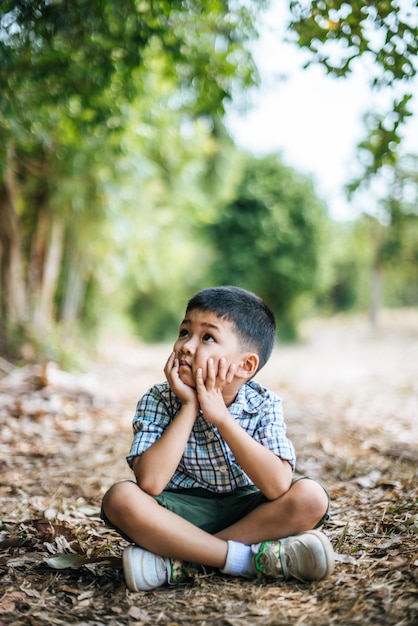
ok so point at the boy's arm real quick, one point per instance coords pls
(271, 474)
(155, 467)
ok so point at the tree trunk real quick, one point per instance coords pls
(12, 293)
(376, 300)
(50, 241)
(75, 289)
(38, 251)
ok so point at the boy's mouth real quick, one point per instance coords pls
(186, 372)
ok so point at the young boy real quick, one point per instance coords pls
(212, 462)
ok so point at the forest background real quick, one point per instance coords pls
(121, 192)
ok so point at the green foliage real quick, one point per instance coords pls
(268, 238)
(127, 193)
(397, 210)
(181, 242)
(386, 30)
(74, 63)
(69, 74)
(160, 198)
(384, 35)
(345, 283)
(386, 241)
(78, 51)
(380, 147)
(398, 250)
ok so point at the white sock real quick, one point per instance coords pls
(239, 560)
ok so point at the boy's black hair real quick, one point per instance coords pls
(253, 320)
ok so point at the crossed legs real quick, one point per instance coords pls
(157, 529)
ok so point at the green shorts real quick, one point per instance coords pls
(213, 512)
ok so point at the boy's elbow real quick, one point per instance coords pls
(281, 485)
(276, 491)
(150, 486)
(148, 481)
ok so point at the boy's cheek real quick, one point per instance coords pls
(188, 378)
(204, 370)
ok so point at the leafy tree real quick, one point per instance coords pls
(268, 237)
(175, 177)
(67, 72)
(339, 287)
(396, 240)
(375, 257)
(384, 35)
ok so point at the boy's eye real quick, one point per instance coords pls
(183, 332)
(208, 337)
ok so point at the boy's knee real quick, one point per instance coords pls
(117, 497)
(312, 498)
(115, 505)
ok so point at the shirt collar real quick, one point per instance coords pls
(249, 399)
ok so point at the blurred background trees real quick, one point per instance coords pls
(121, 193)
(270, 238)
(69, 73)
(383, 36)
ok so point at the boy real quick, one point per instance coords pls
(212, 462)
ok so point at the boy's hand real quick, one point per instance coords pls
(185, 393)
(209, 393)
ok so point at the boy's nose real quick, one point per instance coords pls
(189, 346)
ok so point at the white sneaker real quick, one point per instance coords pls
(145, 570)
(308, 556)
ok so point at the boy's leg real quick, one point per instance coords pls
(308, 556)
(155, 528)
(279, 535)
(298, 510)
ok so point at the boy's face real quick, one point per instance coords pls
(202, 335)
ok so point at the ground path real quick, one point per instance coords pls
(350, 399)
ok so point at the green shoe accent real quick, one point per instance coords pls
(268, 560)
(306, 557)
(180, 572)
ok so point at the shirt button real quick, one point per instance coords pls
(223, 469)
(210, 435)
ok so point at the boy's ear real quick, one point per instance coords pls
(249, 365)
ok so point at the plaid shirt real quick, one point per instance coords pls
(207, 461)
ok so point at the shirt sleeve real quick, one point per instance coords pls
(153, 413)
(271, 430)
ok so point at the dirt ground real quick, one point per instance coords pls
(351, 405)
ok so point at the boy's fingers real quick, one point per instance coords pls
(231, 373)
(222, 369)
(199, 378)
(170, 361)
(211, 376)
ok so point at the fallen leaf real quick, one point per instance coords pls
(346, 558)
(66, 561)
(138, 614)
(370, 480)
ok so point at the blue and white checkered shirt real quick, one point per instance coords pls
(207, 461)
